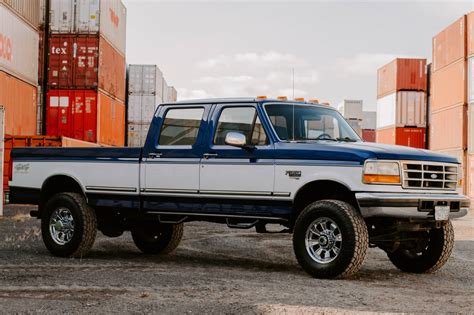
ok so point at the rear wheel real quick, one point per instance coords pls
(68, 225)
(157, 239)
(330, 239)
(428, 254)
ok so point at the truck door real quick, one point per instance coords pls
(170, 166)
(233, 172)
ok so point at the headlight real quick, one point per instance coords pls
(381, 172)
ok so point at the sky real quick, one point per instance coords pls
(249, 48)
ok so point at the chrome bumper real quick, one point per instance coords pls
(410, 206)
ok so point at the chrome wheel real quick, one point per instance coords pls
(61, 226)
(323, 240)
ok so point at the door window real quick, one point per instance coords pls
(243, 120)
(181, 126)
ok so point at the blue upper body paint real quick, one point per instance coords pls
(344, 152)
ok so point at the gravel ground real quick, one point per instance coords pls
(216, 270)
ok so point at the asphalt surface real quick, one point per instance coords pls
(216, 270)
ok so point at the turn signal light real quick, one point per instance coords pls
(382, 179)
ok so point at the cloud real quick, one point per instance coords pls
(260, 60)
(364, 63)
(191, 94)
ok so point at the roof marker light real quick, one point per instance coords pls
(282, 98)
(299, 99)
(261, 97)
(313, 101)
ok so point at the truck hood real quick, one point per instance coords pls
(356, 152)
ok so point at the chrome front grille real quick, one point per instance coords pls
(429, 175)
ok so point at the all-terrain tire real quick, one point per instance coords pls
(157, 239)
(84, 225)
(353, 234)
(433, 257)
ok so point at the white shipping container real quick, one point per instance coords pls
(351, 109)
(141, 108)
(28, 10)
(369, 120)
(402, 109)
(137, 134)
(165, 91)
(356, 125)
(19, 47)
(107, 17)
(172, 94)
(146, 80)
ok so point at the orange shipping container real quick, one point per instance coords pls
(469, 176)
(111, 127)
(401, 74)
(111, 70)
(470, 34)
(448, 86)
(448, 129)
(19, 100)
(450, 44)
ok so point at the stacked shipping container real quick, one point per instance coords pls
(352, 112)
(451, 114)
(146, 90)
(401, 103)
(86, 71)
(19, 65)
(369, 122)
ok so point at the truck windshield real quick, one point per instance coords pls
(294, 122)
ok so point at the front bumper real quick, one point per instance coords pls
(410, 206)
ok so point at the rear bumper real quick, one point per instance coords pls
(410, 206)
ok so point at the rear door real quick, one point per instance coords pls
(171, 162)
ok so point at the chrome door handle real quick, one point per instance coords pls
(209, 155)
(154, 155)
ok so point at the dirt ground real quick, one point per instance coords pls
(216, 270)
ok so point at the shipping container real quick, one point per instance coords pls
(28, 10)
(145, 80)
(470, 34)
(112, 70)
(72, 113)
(23, 141)
(369, 120)
(141, 108)
(351, 109)
(86, 115)
(172, 94)
(401, 74)
(19, 44)
(470, 128)
(470, 80)
(448, 86)
(19, 101)
(107, 17)
(402, 109)
(356, 125)
(448, 129)
(468, 176)
(137, 134)
(111, 118)
(449, 45)
(368, 135)
(409, 137)
(166, 97)
(85, 62)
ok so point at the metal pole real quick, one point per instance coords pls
(45, 52)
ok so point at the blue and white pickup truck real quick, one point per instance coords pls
(248, 163)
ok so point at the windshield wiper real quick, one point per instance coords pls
(346, 139)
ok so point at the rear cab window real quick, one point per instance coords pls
(181, 126)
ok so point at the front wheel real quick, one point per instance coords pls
(429, 253)
(156, 239)
(330, 239)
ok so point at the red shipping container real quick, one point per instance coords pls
(23, 141)
(19, 99)
(72, 113)
(368, 135)
(450, 44)
(401, 74)
(85, 62)
(409, 137)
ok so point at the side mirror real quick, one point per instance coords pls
(236, 139)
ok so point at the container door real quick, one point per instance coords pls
(170, 171)
(232, 172)
(87, 16)
(61, 62)
(86, 58)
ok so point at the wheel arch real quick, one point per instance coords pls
(320, 190)
(59, 183)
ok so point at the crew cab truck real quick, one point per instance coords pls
(249, 163)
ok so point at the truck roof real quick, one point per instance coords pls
(240, 100)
